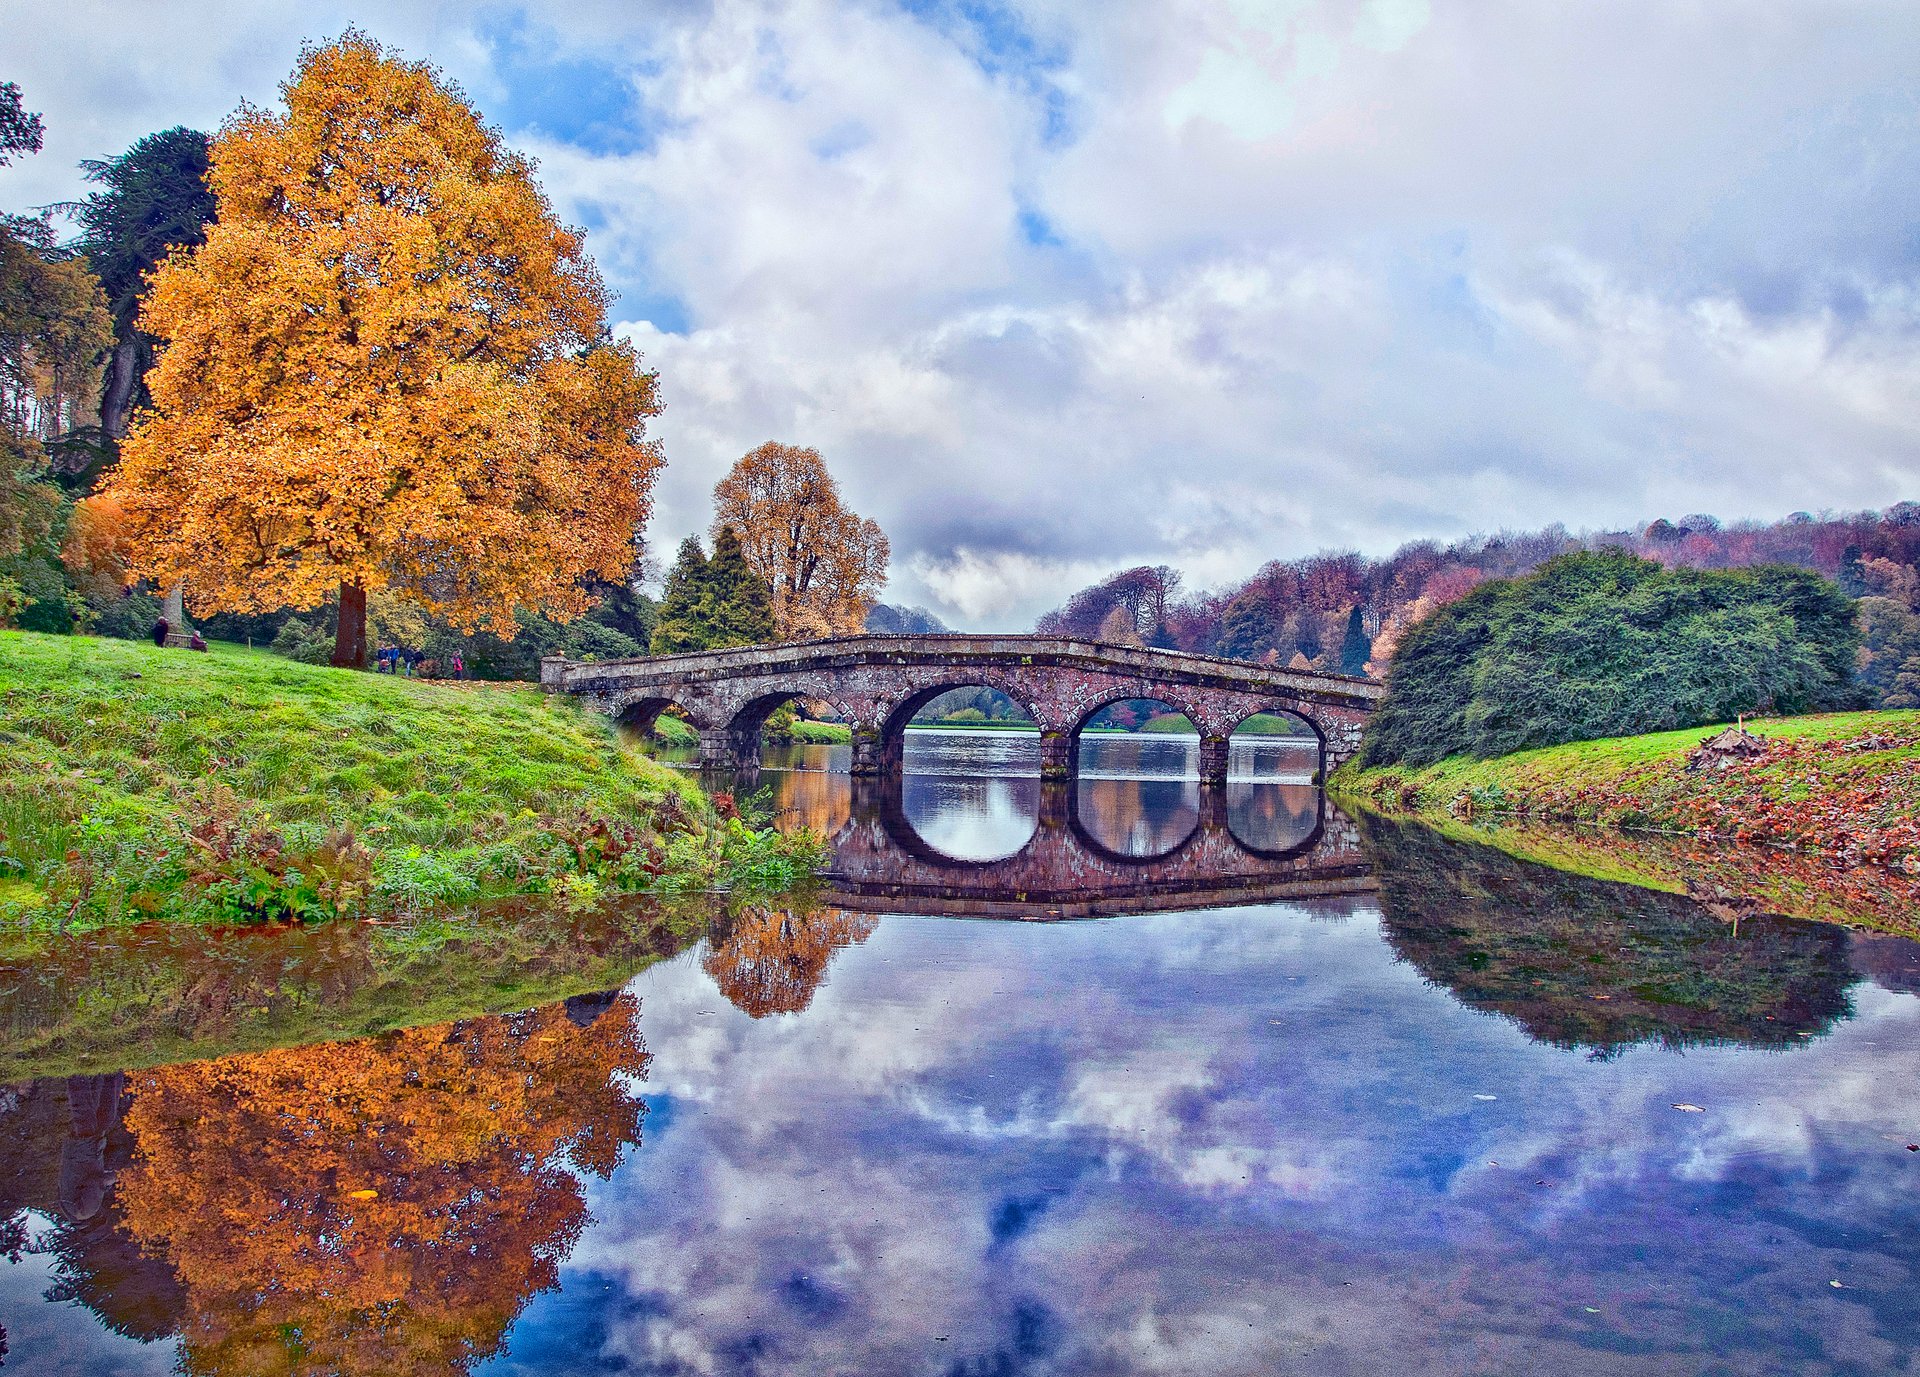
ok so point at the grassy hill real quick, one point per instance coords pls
(1845, 785)
(232, 786)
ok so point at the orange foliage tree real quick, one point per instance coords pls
(387, 1205)
(824, 564)
(95, 551)
(772, 961)
(386, 368)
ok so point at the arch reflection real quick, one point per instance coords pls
(1273, 818)
(969, 818)
(1137, 818)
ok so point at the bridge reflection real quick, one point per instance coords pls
(1090, 847)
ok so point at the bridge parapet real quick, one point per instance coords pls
(878, 683)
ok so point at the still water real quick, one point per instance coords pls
(1309, 1096)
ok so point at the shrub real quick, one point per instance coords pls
(1606, 644)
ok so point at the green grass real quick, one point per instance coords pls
(110, 751)
(1846, 783)
(820, 733)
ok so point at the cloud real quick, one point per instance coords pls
(1058, 290)
(1084, 1146)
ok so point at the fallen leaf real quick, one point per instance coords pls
(363, 1195)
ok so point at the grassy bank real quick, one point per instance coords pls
(1843, 785)
(137, 782)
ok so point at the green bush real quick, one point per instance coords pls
(1605, 644)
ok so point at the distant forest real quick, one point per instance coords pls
(1346, 612)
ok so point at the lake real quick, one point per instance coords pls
(1125, 1076)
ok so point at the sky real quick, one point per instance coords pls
(1059, 288)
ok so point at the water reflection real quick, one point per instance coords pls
(1442, 1085)
(1584, 963)
(769, 959)
(381, 1206)
(1137, 817)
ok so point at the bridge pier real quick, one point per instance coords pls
(1213, 759)
(873, 754)
(722, 748)
(1057, 755)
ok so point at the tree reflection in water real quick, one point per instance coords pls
(1138, 817)
(387, 1205)
(773, 960)
(1585, 963)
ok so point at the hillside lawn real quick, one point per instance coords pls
(1844, 785)
(237, 785)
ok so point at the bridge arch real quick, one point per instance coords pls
(1132, 693)
(894, 719)
(1234, 820)
(1298, 713)
(641, 711)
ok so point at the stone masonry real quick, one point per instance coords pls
(878, 683)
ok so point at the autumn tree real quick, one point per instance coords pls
(387, 367)
(773, 960)
(384, 1205)
(823, 564)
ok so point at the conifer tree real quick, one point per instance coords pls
(1355, 648)
(742, 605)
(686, 609)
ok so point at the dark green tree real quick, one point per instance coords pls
(623, 606)
(1247, 626)
(1355, 648)
(153, 199)
(686, 610)
(20, 129)
(1605, 644)
(741, 606)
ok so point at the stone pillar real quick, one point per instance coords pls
(553, 673)
(870, 751)
(1341, 733)
(1213, 759)
(179, 629)
(722, 748)
(1057, 755)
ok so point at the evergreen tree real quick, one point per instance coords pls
(742, 606)
(154, 199)
(1355, 648)
(685, 621)
(1602, 643)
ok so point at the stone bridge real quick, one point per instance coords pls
(878, 684)
(880, 864)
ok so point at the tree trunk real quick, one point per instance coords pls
(350, 639)
(117, 405)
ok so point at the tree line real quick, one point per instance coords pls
(1349, 613)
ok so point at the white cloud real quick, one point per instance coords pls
(1075, 288)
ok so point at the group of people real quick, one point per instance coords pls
(411, 664)
(164, 628)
